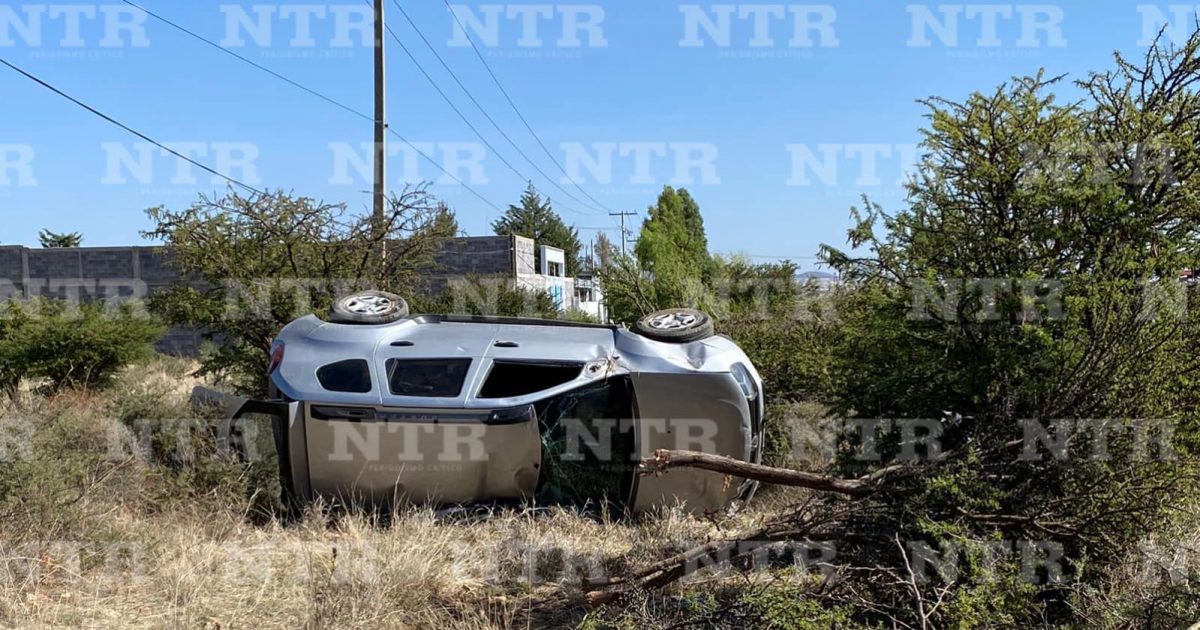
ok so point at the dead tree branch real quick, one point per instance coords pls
(811, 522)
(665, 460)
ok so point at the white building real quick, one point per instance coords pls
(589, 296)
(549, 274)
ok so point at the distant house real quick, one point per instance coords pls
(822, 279)
(589, 296)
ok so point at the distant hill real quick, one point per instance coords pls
(821, 278)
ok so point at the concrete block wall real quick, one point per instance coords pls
(480, 256)
(89, 274)
(524, 256)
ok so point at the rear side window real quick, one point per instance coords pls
(512, 378)
(352, 376)
(429, 378)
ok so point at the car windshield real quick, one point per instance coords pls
(588, 445)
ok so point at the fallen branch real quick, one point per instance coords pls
(808, 523)
(672, 569)
(805, 523)
(665, 459)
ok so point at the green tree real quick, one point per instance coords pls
(72, 346)
(269, 259)
(535, 218)
(629, 290)
(51, 240)
(444, 222)
(1032, 279)
(673, 248)
(604, 250)
(495, 296)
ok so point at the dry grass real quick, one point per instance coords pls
(95, 535)
(114, 513)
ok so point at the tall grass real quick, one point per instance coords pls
(115, 510)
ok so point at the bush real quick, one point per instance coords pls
(78, 465)
(1019, 288)
(83, 347)
(793, 357)
(489, 296)
(61, 452)
(186, 446)
(269, 259)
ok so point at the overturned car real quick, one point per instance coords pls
(378, 406)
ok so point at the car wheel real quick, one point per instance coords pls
(676, 325)
(368, 307)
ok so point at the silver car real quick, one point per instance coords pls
(375, 405)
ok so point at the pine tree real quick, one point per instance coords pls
(535, 218)
(445, 223)
(673, 233)
(53, 240)
(605, 250)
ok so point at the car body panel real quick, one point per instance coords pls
(423, 455)
(311, 343)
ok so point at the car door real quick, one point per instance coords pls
(439, 453)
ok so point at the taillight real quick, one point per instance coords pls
(276, 359)
(744, 380)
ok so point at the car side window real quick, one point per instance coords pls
(352, 376)
(518, 378)
(429, 378)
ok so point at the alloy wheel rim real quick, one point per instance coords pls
(677, 320)
(369, 305)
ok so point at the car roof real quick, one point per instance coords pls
(449, 336)
(526, 339)
(508, 321)
(312, 343)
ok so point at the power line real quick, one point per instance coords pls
(774, 257)
(513, 104)
(462, 116)
(134, 131)
(317, 94)
(483, 110)
(269, 71)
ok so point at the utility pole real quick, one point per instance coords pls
(624, 233)
(380, 199)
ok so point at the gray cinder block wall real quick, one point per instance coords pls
(481, 256)
(89, 274)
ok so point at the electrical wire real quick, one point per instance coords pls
(133, 131)
(463, 116)
(517, 110)
(484, 111)
(317, 94)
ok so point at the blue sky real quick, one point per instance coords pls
(728, 112)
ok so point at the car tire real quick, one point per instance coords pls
(675, 325)
(368, 307)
